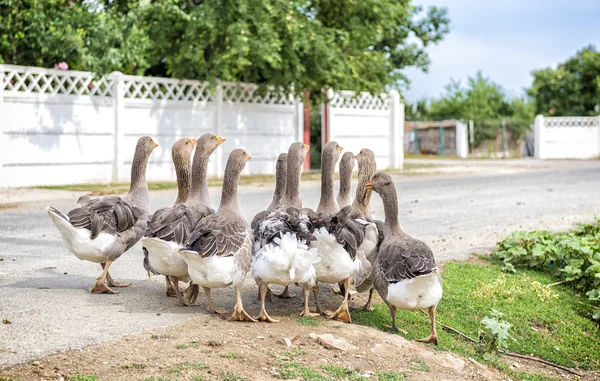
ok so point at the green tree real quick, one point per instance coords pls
(354, 45)
(573, 88)
(483, 101)
(85, 34)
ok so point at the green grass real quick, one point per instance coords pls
(295, 370)
(547, 322)
(308, 321)
(230, 376)
(158, 379)
(82, 377)
(418, 365)
(187, 345)
(179, 368)
(229, 355)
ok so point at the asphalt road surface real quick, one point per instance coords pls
(44, 290)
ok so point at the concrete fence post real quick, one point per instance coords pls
(218, 128)
(598, 131)
(326, 125)
(538, 137)
(396, 159)
(118, 93)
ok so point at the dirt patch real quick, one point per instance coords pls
(214, 349)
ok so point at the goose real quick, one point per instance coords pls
(346, 167)
(218, 250)
(100, 230)
(367, 167)
(281, 252)
(181, 154)
(337, 238)
(405, 273)
(168, 232)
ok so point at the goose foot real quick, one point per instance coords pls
(263, 315)
(239, 314)
(211, 307)
(369, 305)
(308, 313)
(191, 294)
(102, 288)
(431, 339)
(285, 294)
(100, 285)
(170, 290)
(342, 313)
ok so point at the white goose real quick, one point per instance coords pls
(102, 229)
(218, 251)
(281, 253)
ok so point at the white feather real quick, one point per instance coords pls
(164, 257)
(335, 264)
(211, 272)
(78, 240)
(285, 261)
(417, 293)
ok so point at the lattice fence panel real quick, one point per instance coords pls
(571, 122)
(364, 101)
(166, 89)
(55, 82)
(247, 93)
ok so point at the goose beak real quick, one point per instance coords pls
(154, 144)
(340, 148)
(193, 141)
(220, 140)
(306, 147)
(369, 186)
(247, 156)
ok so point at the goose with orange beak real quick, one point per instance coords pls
(102, 229)
(218, 251)
(405, 273)
(281, 236)
(168, 232)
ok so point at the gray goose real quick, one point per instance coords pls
(405, 273)
(218, 251)
(281, 253)
(102, 229)
(344, 197)
(338, 237)
(361, 209)
(181, 154)
(166, 234)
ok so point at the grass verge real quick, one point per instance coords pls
(547, 322)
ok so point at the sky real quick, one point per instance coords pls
(506, 40)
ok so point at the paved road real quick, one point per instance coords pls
(44, 290)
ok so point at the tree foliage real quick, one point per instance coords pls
(481, 100)
(356, 45)
(573, 88)
(81, 33)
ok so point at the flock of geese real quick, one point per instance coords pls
(285, 244)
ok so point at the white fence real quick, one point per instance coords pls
(366, 122)
(66, 127)
(567, 137)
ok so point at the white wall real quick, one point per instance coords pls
(368, 122)
(62, 127)
(567, 137)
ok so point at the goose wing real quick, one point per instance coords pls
(218, 235)
(405, 258)
(176, 223)
(112, 215)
